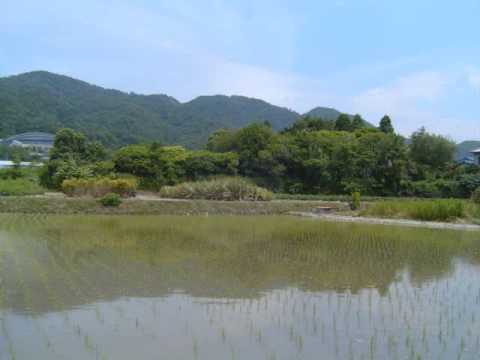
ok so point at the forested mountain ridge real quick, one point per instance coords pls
(43, 101)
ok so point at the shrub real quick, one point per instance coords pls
(355, 201)
(111, 200)
(99, 187)
(476, 196)
(229, 188)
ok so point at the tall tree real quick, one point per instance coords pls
(357, 122)
(343, 123)
(431, 150)
(386, 125)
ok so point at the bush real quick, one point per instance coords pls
(99, 187)
(476, 196)
(229, 188)
(18, 187)
(424, 210)
(111, 200)
(355, 201)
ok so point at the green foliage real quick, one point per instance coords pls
(424, 210)
(305, 158)
(169, 165)
(228, 188)
(308, 123)
(431, 150)
(355, 201)
(99, 187)
(71, 157)
(386, 125)
(343, 123)
(19, 187)
(476, 196)
(111, 200)
(357, 122)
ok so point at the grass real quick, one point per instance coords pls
(85, 205)
(227, 188)
(343, 198)
(424, 210)
(19, 187)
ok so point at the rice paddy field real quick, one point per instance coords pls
(226, 287)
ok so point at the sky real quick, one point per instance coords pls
(418, 61)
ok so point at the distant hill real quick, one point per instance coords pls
(464, 148)
(43, 101)
(328, 114)
(324, 113)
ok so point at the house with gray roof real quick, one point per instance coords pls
(476, 155)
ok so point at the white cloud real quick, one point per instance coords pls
(408, 99)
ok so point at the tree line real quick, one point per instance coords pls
(309, 157)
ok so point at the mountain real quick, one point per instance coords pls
(464, 148)
(324, 113)
(329, 114)
(43, 101)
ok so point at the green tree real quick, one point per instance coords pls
(357, 122)
(68, 143)
(343, 123)
(431, 150)
(221, 141)
(248, 143)
(386, 125)
(307, 124)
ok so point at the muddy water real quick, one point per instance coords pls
(235, 288)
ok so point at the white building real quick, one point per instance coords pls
(37, 142)
(8, 164)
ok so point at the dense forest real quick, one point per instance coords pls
(42, 101)
(311, 156)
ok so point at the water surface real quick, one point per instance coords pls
(234, 288)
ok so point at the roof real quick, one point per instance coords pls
(477, 151)
(31, 138)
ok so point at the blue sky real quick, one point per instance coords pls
(418, 61)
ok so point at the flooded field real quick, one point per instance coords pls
(235, 288)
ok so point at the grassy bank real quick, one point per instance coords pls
(342, 198)
(60, 205)
(447, 210)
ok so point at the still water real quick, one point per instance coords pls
(234, 288)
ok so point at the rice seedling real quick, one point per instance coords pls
(244, 283)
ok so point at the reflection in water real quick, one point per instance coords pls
(235, 288)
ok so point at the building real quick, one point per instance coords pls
(37, 142)
(476, 154)
(9, 164)
(467, 160)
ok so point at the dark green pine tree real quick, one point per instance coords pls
(357, 122)
(386, 125)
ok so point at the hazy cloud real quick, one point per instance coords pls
(473, 76)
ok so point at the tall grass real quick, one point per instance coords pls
(227, 188)
(343, 198)
(425, 210)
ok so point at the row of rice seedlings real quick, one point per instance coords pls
(10, 349)
(28, 249)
